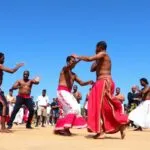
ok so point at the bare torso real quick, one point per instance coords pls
(146, 96)
(67, 78)
(25, 86)
(103, 66)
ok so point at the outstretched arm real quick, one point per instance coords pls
(82, 83)
(90, 58)
(9, 70)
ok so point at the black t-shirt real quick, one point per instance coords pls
(55, 109)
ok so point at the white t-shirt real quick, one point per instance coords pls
(42, 101)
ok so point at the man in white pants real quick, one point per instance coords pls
(141, 115)
(66, 100)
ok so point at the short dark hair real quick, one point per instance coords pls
(44, 90)
(102, 44)
(144, 80)
(26, 71)
(75, 86)
(1, 55)
(10, 90)
(69, 58)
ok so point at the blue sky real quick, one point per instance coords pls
(43, 33)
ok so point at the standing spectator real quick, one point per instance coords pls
(77, 95)
(11, 101)
(55, 110)
(120, 97)
(133, 98)
(42, 107)
(48, 114)
(85, 106)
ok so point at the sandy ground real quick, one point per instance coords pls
(44, 139)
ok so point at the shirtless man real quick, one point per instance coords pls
(3, 101)
(102, 117)
(77, 94)
(140, 115)
(67, 101)
(24, 85)
(145, 92)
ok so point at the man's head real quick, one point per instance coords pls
(101, 46)
(71, 61)
(117, 90)
(144, 81)
(10, 92)
(2, 58)
(133, 89)
(75, 88)
(44, 92)
(54, 99)
(26, 75)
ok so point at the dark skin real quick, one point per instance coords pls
(25, 85)
(77, 94)
(145, 94)
(102, 67)
(8, 70)
(102, 62)
(67, 79)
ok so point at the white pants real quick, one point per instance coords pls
(141, 115)
(68, 102)
(19, 116)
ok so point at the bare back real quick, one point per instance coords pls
(66, 78)
(103, 66)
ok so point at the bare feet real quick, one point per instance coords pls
(64, 132)
(5, 131)
(99, 136)
(67, 131)
(122, 132)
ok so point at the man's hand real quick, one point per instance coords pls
(19, 65)
(75, 56)
(91, 82)
(37, 79)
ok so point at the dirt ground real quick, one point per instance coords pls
(44, 139)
